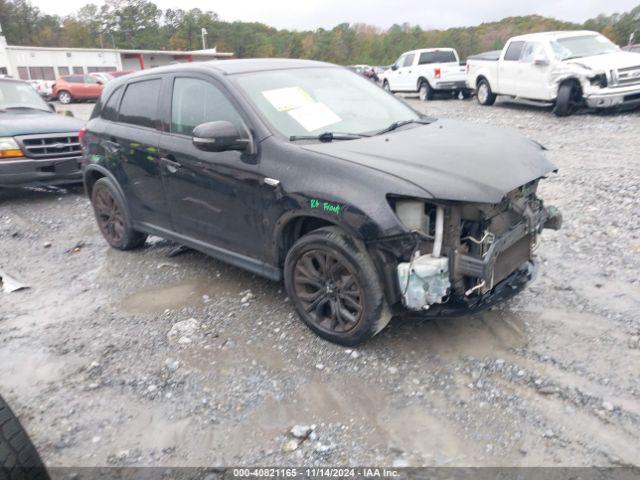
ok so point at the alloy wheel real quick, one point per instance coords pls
(109, 215)
(328, 290)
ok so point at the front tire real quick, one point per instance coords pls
(484, 94)
(113, 218)
(335, 287)
(18, 457)
(386, 86)
(425, 92)
(568, 100)
(64, 97)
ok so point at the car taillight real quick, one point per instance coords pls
(437, 72)
(81, 134)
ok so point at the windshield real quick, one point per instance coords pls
(311, 101)
(583, 46)
(20, 95)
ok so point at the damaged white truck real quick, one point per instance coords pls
(567, 69)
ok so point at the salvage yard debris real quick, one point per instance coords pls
(10, 284)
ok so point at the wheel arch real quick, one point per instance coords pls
(421, 79)
(294, 224)
(480, 78)
(93, 173)
(573, 81)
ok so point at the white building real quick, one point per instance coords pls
(49, 63)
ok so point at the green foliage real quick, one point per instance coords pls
(141, 24)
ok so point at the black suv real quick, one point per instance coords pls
(306, 171)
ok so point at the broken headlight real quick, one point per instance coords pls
(599, 80)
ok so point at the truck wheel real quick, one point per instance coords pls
(425, 91)
(19, 459)
(64, 97)
(568, 100)
(484, 94)
(386, 86)
(335, 287)
(112, 217)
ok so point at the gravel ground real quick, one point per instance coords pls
(136, 358)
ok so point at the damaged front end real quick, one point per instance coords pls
(468, 256)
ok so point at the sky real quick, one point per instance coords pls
(312, 14)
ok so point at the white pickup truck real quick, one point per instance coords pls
(426, 72)
(568, 69)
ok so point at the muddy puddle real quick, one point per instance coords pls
(193, 292)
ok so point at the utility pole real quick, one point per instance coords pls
(203, 32)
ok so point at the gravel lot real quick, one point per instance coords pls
(550, 378)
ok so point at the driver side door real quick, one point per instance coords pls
(213, 196)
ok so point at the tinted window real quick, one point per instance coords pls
(140, 103)
(514, 51)
(90, 79)
(74, 79)
(436, 57)
(196, 101)
(110, 110)
(408, 60)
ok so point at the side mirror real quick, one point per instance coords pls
(540, 61)
(219, 136)
(394, 67)
(52, 107)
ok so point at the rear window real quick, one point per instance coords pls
(139, 104)
(445, 56)
(514, 51)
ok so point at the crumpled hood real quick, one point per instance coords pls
(448, 159)
(609, 61)
(32, 122)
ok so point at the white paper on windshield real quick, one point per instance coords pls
(314, 116)
(285, 99)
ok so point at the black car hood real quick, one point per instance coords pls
(448, 159)
(32, 122)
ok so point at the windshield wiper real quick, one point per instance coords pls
(329, 136)
(401, 123)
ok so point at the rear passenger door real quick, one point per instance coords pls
(509, 70)
(134, 140)
(407, 77)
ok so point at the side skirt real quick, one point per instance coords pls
(242, 261)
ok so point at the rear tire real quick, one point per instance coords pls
(425, 92)
(64, 97)
(335, 287)
(484, 94)
(113, 218)
(19, 458)
(568, 100)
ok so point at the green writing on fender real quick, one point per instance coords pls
(326, 206)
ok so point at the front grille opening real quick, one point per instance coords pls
(51, 146)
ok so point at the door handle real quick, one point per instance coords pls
(172, 166)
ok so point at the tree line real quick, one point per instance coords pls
(140, 24)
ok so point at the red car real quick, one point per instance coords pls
(76, 87)
(119, 73)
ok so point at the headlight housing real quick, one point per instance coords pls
(599, 80)
(9, 148)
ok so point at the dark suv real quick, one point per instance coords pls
(306, 171)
